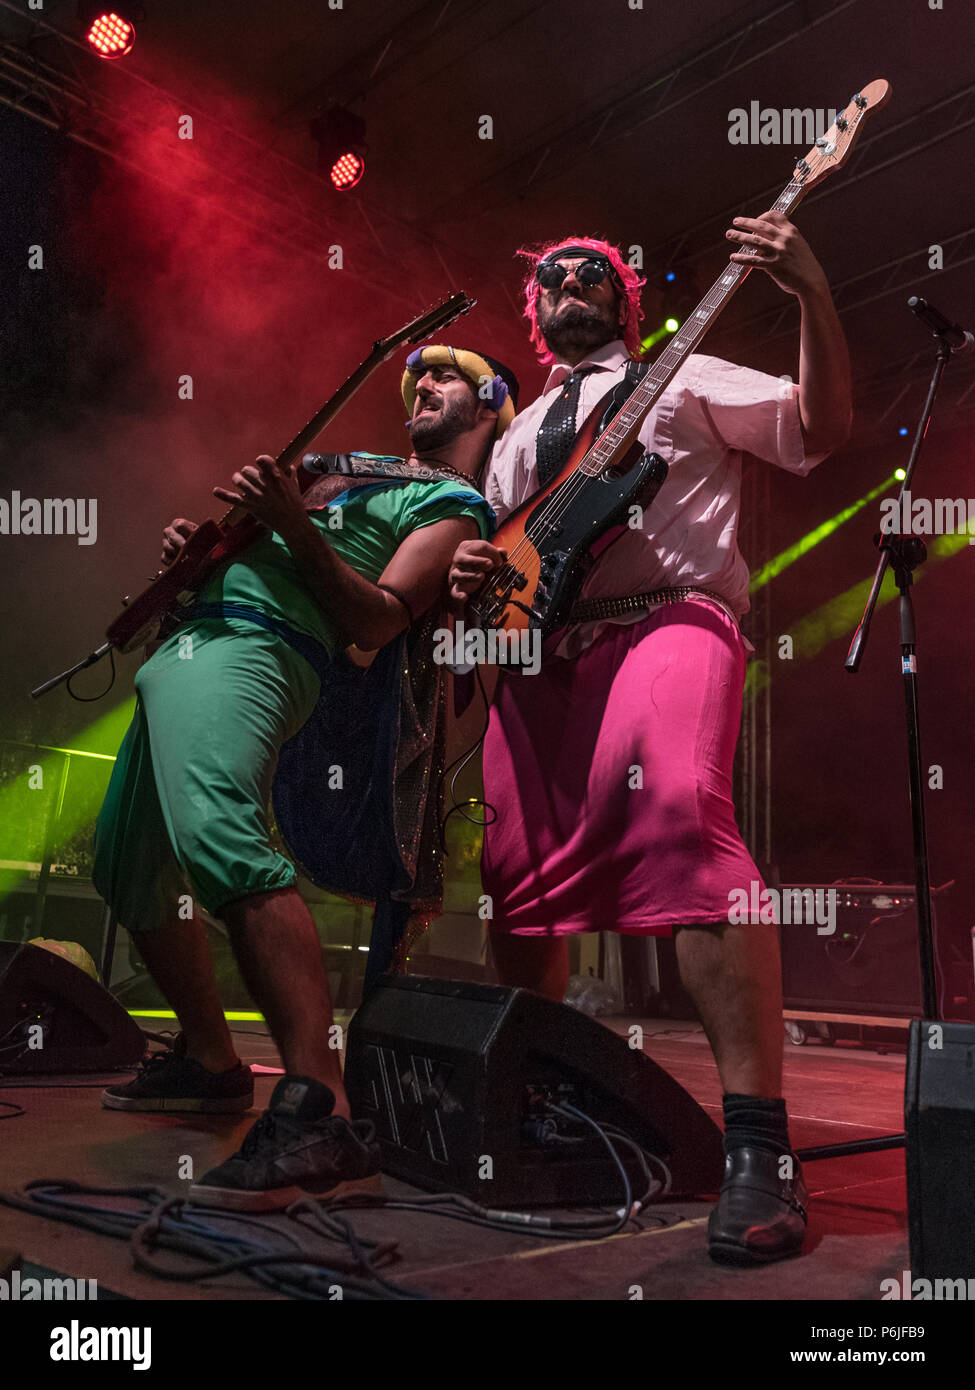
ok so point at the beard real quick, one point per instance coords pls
(578, 325)
(434, 431)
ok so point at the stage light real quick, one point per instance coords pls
(668, 326)
(900, 474)
(347, 170)
(670, 277)
(340, 136)
(110, 32)
(902, 431)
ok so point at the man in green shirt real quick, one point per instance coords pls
(187, 804)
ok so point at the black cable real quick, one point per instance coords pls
(172, 1223)
(18, 1110)
(566, 1109)
(457, 1207)
(90, 699)
(458, 808)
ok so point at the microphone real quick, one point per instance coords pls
(957, 338)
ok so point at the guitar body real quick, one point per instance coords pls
(548, 558)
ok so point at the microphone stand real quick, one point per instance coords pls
(903, 554)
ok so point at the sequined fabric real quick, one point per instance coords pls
(557, 432)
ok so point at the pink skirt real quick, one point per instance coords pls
(612, 776)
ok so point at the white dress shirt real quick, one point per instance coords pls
(709, 415)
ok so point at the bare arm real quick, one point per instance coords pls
(366, 614)
(825, 399)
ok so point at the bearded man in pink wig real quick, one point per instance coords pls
(611, 769)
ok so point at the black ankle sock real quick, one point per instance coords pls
(755, 1122)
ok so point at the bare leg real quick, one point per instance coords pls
(734, 976)
(539, 963)
(179, 961)
(280, 958)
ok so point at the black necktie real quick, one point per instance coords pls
(557, 432)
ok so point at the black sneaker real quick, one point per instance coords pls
(298, 1148)
(170, 1081)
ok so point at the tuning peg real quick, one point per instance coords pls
(860, 100)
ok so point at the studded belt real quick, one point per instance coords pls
(589, 610)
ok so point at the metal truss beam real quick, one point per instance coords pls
(875, 152)
(634, 106)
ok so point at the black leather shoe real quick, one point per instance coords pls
(759, 1216)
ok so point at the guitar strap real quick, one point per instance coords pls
(337, 473)
(621, 393)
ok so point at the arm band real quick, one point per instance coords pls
(387, 589)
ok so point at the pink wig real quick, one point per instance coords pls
(632, 285)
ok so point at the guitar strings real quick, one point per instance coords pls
(562, 498)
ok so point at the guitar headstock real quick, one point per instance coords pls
(432, 321)
(833, 149)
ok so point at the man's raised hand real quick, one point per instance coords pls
(779, 249)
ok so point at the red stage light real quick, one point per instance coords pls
(110, 35)
(347, 170)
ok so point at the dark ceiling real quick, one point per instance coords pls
(606, 117)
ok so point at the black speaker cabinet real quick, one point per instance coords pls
(455, 1076)
(56, 1019)
(868, 965)
(939, 1116)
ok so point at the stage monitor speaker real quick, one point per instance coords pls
(55, 1019)
(868, 965)
(456, 1076)
(939, 1117)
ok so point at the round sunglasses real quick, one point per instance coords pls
(593, 271)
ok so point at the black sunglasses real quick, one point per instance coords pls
(593, 271)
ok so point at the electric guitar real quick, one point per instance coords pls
(144, 617)
(551, 538)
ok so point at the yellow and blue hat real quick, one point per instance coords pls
(478, 367)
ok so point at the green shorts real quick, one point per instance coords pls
(186, 807)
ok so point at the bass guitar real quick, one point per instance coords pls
(550, 539)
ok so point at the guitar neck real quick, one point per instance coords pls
(236, 516)
(415, 332)
(621, 433)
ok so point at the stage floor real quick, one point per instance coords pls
(857, 1231)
